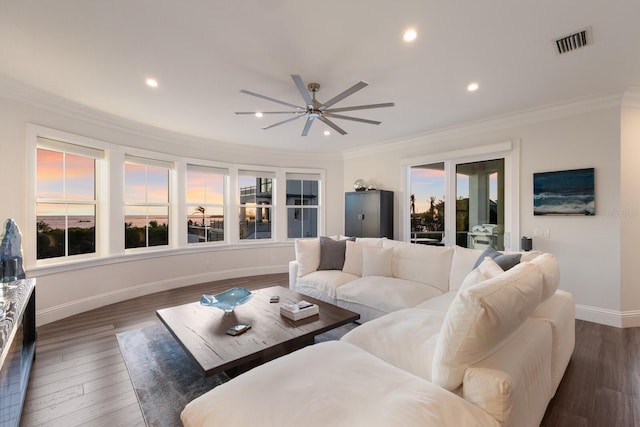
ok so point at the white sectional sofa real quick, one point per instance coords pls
(450, 339)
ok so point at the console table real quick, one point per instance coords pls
(17, 346)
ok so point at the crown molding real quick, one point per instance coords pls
(577, 106)
(28, 95)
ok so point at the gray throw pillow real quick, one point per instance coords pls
(332, 253)
(505, 261)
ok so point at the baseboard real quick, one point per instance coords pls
(618, 319)
(61, 311)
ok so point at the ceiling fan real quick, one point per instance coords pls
(314, 109)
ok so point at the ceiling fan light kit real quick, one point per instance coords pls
(314, 109)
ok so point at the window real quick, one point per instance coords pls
(302, 205)
(205, 204)
(66, 202)
(256, 204)
(146, 202)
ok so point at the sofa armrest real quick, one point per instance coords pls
(293, 274)
(514, 384)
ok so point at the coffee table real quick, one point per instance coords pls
(200, 330)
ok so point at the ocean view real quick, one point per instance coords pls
(81, 221)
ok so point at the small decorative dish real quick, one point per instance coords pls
(227, 300)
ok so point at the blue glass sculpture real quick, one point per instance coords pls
(227, 300)
(11, 253)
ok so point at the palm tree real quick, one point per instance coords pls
(201, 209)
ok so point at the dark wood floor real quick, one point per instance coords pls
(79, 377)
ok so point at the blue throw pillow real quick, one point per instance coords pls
(505, 261)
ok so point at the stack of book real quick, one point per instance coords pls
(300, 310)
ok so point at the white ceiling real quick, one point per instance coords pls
(98, 53)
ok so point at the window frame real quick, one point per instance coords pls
(509, 150)
(224, 205)
(154, 163)
(110, 239)
(317, 177)
(267, 173)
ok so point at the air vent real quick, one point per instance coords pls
(574, 41)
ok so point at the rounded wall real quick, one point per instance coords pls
(81, 286)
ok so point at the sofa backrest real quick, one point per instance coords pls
(426, 264)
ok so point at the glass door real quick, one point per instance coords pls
(427, 203)
(480, 216)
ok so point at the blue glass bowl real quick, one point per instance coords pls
(227, 300)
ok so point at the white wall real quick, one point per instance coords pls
(629, 212)
(578, 135)
(66, 290)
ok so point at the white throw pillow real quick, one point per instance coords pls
(307, 255)
(461, 265)
(486, 270)
(353, 255)
(376, 261)
(480, 318)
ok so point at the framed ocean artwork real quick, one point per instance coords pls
(568, 192)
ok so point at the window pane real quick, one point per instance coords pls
(205, 188)
(135, 230)
(294, 192)
(247, 189)
(255, 222)
(302, 222)
(79, 177)
(215, 189)
(157, 185)
(310, 193)
(427, 203)
(205, 224)
(158, 225)
(135, 183)
(82, 229)
(51, 230)
(50, 174)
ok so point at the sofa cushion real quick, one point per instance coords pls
(486, 270)
(425, 264)
(331, 253)
(331, 384)
(480, 318)
(505, 261)
(307, 255)
(376, 261)
(385, 293)
(440, 303)
(353, 254)
(405, 338)
(326, 281)
(462, 262)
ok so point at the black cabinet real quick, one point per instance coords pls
(368, 213)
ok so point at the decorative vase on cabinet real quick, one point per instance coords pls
(368, 214)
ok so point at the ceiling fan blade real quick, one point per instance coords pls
(307, 126)
(355, 119)
(271, 99)
(332, 125)
(302, 88)
(269, 112)
(284, 121)
(353, 89)
(360, 107)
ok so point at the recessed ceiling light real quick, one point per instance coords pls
(473, 87)
(152, 82)
(327, 133)
(410, 35)
(259, 114)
